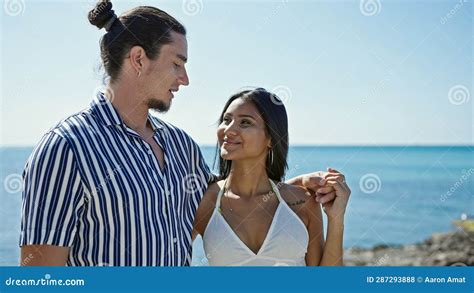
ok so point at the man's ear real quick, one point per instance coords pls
(137, 59)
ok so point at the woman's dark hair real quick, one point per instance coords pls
(144, 26)
(273, 112)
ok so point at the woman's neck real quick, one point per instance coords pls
(248, 179)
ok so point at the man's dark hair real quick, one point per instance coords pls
(144, 26)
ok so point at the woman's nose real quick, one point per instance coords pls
(230, 129)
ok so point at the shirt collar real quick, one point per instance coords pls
(155, 123)
(107, 114)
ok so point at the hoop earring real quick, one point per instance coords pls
(270, 156)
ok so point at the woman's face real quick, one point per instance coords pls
(242, 133)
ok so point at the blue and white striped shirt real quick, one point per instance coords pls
(94, 185)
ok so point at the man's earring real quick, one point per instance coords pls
(139, 73)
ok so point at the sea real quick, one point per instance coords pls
(400, 195)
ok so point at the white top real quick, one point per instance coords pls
(285, 244)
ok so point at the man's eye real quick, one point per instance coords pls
(177, 65)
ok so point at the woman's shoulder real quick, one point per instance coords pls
(293, 193)
(210, 196)
(206, 207)
(299, 199)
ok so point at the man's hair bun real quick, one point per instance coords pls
(102, 14)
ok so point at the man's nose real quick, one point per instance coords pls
(183, 78)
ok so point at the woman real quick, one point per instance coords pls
(250, 217)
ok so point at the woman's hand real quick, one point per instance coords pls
(336, 182)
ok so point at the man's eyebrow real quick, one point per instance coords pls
(184, 59)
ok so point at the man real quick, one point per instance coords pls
(113, 185)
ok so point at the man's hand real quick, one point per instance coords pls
(316, 184)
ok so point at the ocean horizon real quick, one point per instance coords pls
(400, 194)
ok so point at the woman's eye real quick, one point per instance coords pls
(246, 123)
(226, 120)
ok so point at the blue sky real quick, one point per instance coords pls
(350, 72)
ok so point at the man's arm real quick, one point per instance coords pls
(313, 182)
(43, 255)
(295, 181)
(53, 197)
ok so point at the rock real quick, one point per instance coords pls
(441, 249)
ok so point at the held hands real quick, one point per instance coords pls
(331, 191)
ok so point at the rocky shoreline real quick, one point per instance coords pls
(441, 249)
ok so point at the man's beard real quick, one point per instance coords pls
(158, 105)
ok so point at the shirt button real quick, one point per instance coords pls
(175, 240)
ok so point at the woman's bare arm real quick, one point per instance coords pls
(335, 210)
(333, 251)
(314, 217)
(320, 252)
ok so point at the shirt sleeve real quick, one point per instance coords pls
(200, 177)
(52, 194)
(202, 169)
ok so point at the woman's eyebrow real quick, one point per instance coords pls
(240, 116)
(246, 115)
